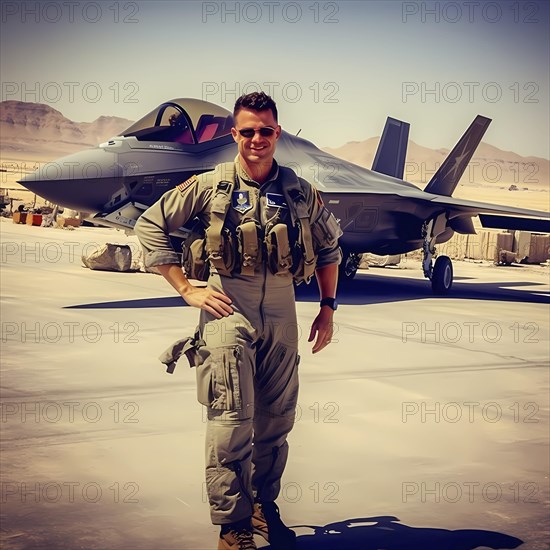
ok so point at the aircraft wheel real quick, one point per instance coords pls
(442, 275)
(348, 267)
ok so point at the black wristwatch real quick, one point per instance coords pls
(330, 302)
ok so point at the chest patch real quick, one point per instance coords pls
(275, 200)
(240, 201)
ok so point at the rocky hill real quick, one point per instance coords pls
(488, 165)
(35, 129)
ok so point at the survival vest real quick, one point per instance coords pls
(243, 249)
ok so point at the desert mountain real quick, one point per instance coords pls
(39, 131)
(488, 165)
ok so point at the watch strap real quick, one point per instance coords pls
(330, 302)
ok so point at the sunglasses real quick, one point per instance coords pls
(266, 131)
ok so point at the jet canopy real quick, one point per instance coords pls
(185, 121)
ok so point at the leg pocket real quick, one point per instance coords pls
(218, 383)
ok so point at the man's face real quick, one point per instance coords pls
(256, 149)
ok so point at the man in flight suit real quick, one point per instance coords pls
(265, 227)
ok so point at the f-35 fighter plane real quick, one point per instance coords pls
(378, 211)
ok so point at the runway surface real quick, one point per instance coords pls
(423, 425)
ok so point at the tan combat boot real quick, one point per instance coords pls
(237, 538)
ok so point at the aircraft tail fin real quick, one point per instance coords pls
(390, 155)
(445, 180)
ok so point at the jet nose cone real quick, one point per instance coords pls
(82, 181)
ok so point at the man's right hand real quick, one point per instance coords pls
(216, 303)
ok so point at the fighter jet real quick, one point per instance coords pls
(378, 210)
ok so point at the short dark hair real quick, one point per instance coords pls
(256, 101)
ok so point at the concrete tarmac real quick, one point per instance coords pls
(424, 425)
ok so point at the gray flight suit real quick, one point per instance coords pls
(246, 363)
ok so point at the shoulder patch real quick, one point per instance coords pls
(187, 183)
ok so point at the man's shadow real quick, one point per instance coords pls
(385, 532)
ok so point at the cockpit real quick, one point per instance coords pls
(185, 121)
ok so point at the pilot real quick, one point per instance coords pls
(181, 130)
(264, 228)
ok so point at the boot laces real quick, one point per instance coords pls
(244, 538)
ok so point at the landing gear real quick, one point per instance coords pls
(440, 274)
(348, 267)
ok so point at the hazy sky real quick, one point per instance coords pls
(336, 69)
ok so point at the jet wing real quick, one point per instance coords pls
(498, 216)
(520, 224)
(476, 207)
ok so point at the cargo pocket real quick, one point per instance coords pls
(218, 385)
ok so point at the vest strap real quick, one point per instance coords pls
(300, 216)
(218, 212)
